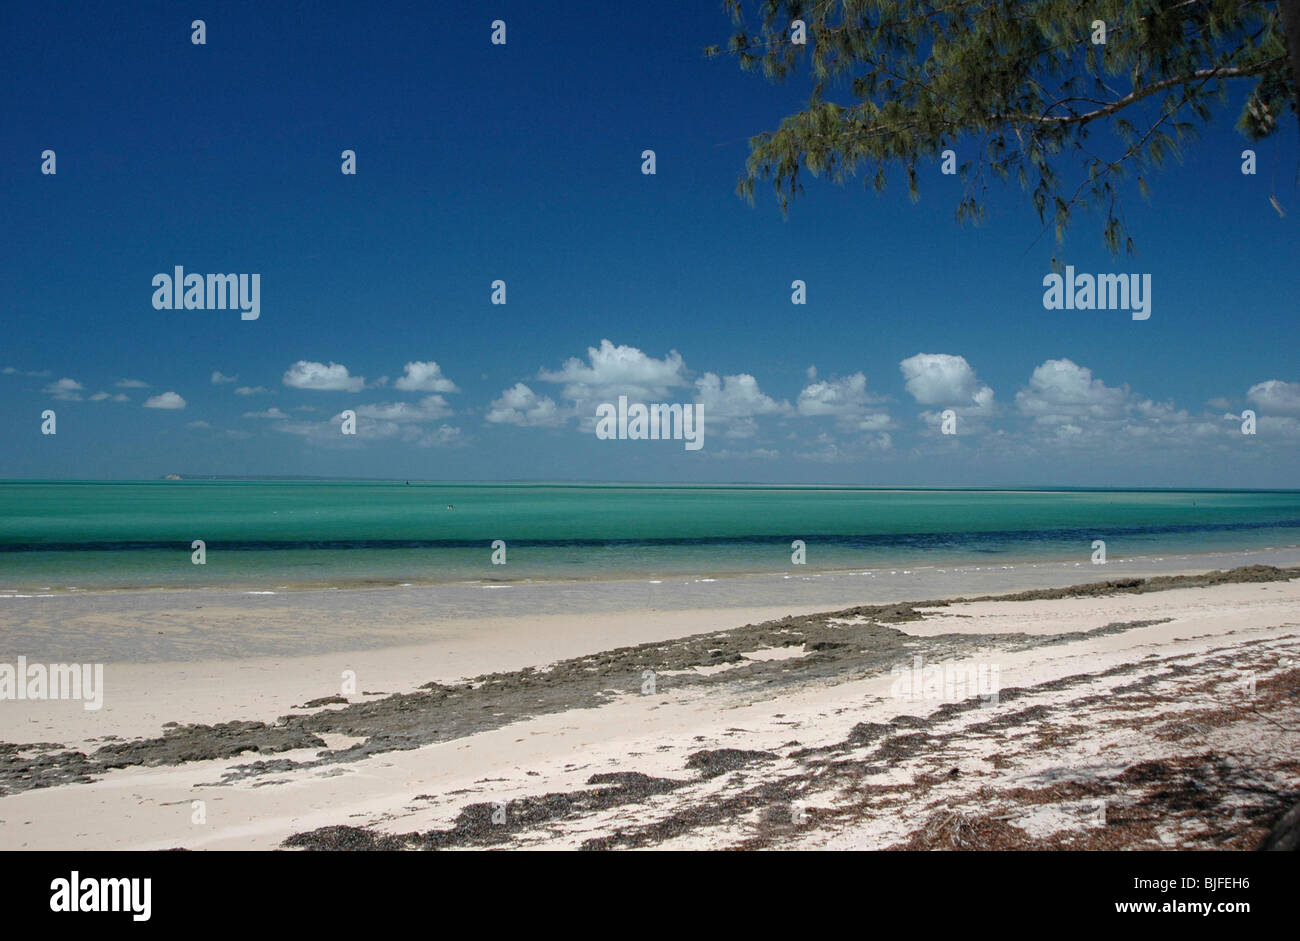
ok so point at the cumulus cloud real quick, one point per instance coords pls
(1061, 391)
(320, 377)
(1276, 395)
(944, 379)
(424, 377)
(618, 370)
(251, 390)
(735, 396)
(854, 409)
(520, 405)
(1069, 406)
(949, 382)
(69, 390)
(219, 378)
(168, 400)
(846, 396)
(608, 372)
(736, 401)
(106, 396)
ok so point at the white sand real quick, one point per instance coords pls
(144, 808)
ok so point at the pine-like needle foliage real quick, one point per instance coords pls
(1013, 86)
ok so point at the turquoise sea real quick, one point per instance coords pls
(96, 534)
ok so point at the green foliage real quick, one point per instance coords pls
(1019, 83)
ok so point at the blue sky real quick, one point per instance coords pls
(522, 163)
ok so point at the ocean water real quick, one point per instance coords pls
(278, 534)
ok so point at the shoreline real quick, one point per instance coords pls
(565, 713)
(190, 626)
(646, 576)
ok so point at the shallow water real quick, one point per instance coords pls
(267, 535)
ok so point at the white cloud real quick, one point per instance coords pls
(847, 396)
(1070, 407)
(1276, 395)
(273, 413)
(425, 377)
(219, 378)
(1282, 427)
(1060, 390)
(431, 407)
(168, 400)
(609, 372)
(66, 389)
(854, 409)
(520, 405)
(131, 384)
(735, 396)
(618, 370)
(251, 390)
(320, 377)
(735, 401)
(944, 379)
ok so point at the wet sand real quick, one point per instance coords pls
(168, 626)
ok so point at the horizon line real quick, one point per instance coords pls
(272, 478)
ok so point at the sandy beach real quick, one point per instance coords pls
(1134, 713)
